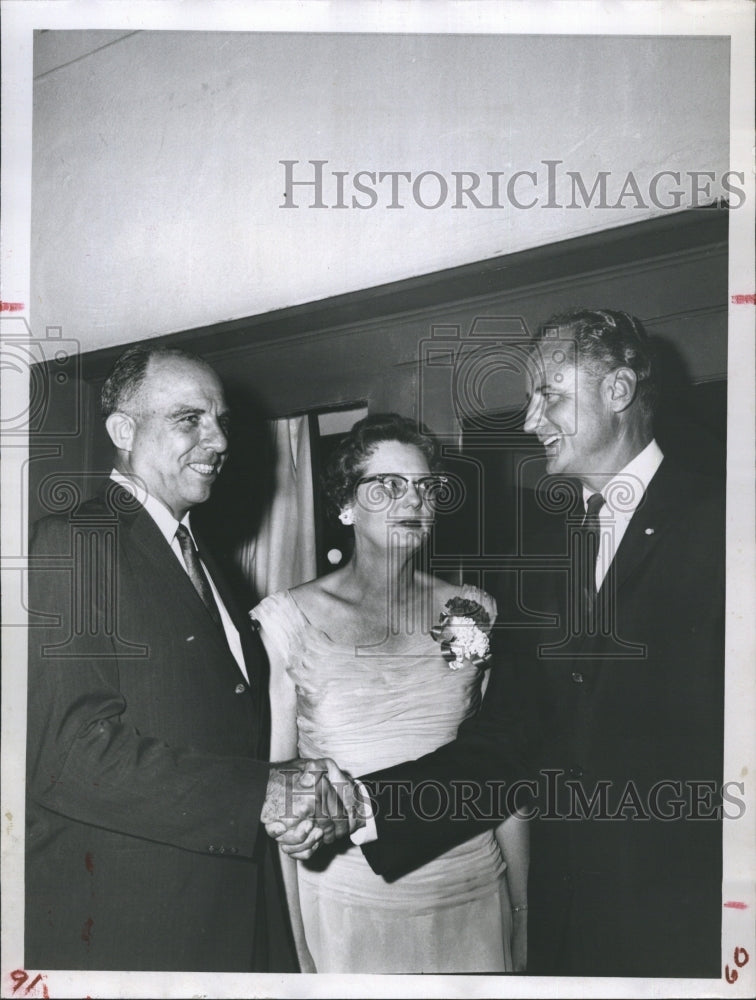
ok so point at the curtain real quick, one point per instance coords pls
(282, 554)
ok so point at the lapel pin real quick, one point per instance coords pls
(650, 531)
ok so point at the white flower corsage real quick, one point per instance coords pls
(463, 633)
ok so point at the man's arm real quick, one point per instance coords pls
(86, 762)
(424, 807)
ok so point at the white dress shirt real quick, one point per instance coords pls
(622, 494)
(167, 525)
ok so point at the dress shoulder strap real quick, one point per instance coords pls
(278, 619)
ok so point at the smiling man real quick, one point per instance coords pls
(610, 704)
(147, 775)
(168, 420)
(592, 400)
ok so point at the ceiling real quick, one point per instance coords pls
(158, 200)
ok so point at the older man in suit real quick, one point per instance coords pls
(147, 773)
(609, 704)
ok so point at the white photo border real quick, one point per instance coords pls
(734, 19)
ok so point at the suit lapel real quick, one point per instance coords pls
(145, 535)
(241, 620)
(653, 517)
(255, 658)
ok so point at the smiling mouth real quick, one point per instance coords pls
(204, 468)
(414, 522)
(549, 442)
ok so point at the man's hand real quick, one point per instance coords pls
(341, 800)
(309, 801)
(292, 802)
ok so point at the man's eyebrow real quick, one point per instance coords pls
(186, 410)
(182, 411)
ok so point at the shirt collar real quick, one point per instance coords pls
(624, 491)
(159, 513)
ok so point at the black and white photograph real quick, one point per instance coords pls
(378, 563)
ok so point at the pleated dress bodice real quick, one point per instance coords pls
(368, 709)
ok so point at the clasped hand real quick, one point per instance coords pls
(309, 802)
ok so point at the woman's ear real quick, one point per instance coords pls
(621, 386)
(120, 428)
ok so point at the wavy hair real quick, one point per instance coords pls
(347, 463)
(605, 340)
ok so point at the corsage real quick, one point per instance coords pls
(462, 632)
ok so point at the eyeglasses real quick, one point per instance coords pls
(393, 486)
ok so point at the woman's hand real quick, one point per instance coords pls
(317, 802)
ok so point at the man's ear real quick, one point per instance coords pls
(621, 386)
(120, 428)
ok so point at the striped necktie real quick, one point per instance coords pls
(197, 575)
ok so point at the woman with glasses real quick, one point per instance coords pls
(371, 664)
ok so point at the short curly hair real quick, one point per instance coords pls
(606, 339)
(347, 462)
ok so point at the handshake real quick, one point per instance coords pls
(309, 802)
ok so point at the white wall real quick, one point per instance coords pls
(157, 184)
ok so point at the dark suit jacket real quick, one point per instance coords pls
(146, 756)
(635, 895)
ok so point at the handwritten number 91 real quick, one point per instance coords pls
(19, 977)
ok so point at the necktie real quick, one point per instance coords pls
(197, 574)
(590, 531)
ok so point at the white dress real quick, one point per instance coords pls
(367, 712)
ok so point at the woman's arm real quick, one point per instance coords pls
(283, 746)
(513, 838)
